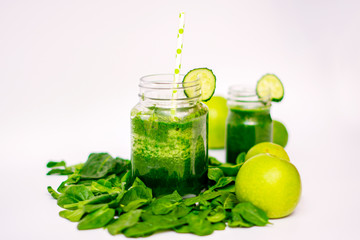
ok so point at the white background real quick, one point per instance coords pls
(69, 72)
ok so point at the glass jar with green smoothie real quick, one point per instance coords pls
(169, 149)
(249, 121)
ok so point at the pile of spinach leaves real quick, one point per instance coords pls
(101, 194)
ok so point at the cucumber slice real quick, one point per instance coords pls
(207, 83)
(270, 84)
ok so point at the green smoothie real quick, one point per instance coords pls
(170, 152)
(246, 127)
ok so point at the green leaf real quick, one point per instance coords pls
(72, 179)
(136, 192)
(152, 224)
(205, 196)
(60, 171)
(214, 162)
(99, 165)
(52, 164)
(135, 204)
(97, 219)
(217, 215)
(240, 158)
(126, 178)
(53, 193)
(215, 174)
(92, 208)
(228, 188)
(72, 215)
(74, 194)
(223, 182)
(104, 198)
(100, 199)
(103, 186)
(199, 225)
(251, 213)
(230, 169)
(180, 211)
(219, 226)
(60, 168)
(124, 221)
(141, 229)
(230, 201)
(237, 221)
(183, 229)
(166, 203)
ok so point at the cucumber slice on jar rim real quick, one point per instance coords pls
(207, 83)
(270, 84)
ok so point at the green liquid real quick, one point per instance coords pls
(171, 153)
(245, 128)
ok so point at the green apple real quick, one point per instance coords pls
(218, 112)
(280, 134)
(267, 147)
(270, 183)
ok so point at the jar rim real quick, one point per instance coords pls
(165, 87)
(165, 79)
(246, 93)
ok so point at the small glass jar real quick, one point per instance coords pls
(248, 122)
(169, 136)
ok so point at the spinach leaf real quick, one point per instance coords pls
(52, 164)
(180, 211)
(198, 224)
(94, 207)
(60, 171)
(61, 168)
(251, 213)
(72, 215)
(230, 169)
(141, 229)
(182, 229)
(227, 188)
(135, 204)
(103, 186)
(97, 219)
(204, 196)
(237, 221)
(53, 193)
(137, 191)
(223, 181)
(215, 174)
(230, 201)
(219, 226)
(72, 179)
(214, 162)
(126, 178)
(217, 215)
(99, 165)
(104, 198)
(166, 203)
(74, 194)
(152, 224)
(124, 221)
(240, 159)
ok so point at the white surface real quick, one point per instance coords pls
(68, 78)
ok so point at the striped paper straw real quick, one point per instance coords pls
(179, 48)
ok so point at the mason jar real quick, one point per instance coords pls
(169, 136)
(248, 122)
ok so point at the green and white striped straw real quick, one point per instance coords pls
(179, 48)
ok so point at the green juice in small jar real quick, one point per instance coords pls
(248, 123)
(169, 149)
